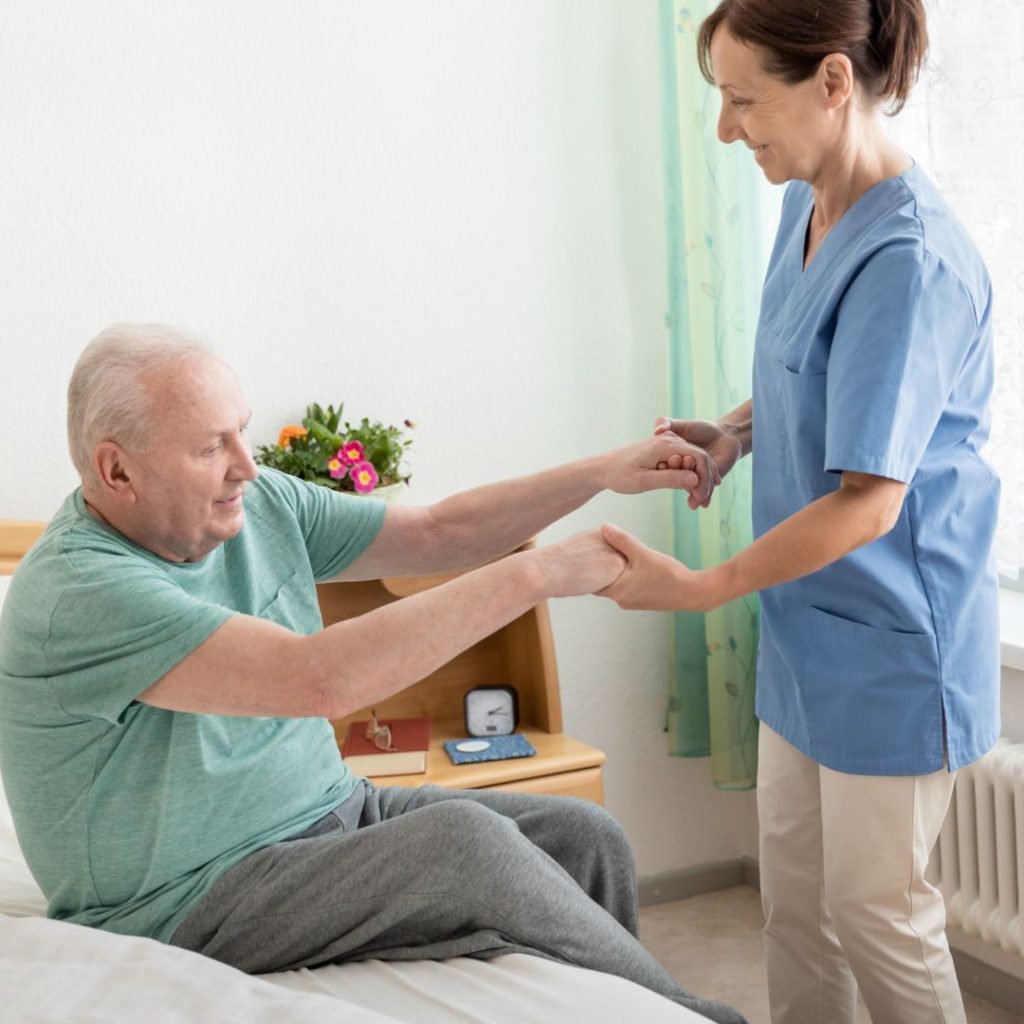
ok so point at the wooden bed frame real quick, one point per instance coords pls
(16, 537)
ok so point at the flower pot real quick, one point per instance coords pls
(388, 492)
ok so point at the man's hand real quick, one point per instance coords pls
(721, 444)
(665, 460)
(651, 580)
(582, 564)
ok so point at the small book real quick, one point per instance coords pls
(474, 749)
(411, 737)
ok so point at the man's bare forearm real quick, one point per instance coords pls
(254, 667)
(370, 658)
(485, 522)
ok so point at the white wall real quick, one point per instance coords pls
(449, 211)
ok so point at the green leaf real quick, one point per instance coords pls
(325, 437)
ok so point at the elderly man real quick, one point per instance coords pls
(165, 685)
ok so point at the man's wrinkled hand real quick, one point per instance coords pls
(664, 460)
(723, 446)
(582, 564)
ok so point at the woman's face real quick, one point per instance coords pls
(786, 126)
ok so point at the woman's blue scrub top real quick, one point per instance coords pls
(878, 359)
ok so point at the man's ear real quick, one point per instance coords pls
(111, 472)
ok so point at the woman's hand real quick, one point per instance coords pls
(719, 442)
(651, 580)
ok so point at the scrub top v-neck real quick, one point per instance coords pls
(877, 358)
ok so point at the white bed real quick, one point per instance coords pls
(51, 972)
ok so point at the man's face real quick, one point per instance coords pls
(188, 486)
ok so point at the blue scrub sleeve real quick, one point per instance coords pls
(904, 331)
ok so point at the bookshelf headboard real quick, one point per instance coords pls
(16, 537)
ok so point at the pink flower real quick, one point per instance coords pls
(336, 468)
(364, 477)
(351, 452)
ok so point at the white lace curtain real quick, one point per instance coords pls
(965, 125)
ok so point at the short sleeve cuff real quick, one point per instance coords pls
(887, 466)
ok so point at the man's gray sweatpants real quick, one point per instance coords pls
(432, 873)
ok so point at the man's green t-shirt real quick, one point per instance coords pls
(128, 814)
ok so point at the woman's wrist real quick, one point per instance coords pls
(712, 587)
(739, 433)
(739, 424)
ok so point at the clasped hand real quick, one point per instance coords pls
(665, 460)
(650, 579)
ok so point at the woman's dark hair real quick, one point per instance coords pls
(886, 40)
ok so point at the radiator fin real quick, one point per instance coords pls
(978, 862)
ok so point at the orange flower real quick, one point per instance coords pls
(287, 433)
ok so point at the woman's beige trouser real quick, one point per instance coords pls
(845, 899)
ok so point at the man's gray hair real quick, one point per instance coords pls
(107, 397)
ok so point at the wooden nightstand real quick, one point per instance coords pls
(522, 653)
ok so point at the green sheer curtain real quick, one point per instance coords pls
(718, 212)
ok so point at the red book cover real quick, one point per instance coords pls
(411, 737)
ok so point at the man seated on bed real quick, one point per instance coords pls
(165, 685)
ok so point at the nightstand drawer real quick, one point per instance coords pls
(587, 783)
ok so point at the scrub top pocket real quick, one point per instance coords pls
(800, 430)
(862, 684)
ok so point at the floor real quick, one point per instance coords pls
(711, 944)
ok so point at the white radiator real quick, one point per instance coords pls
(978, 862)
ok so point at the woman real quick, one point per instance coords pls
(873, 510)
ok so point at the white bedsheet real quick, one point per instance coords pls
(52, 971)
(515, 988)
(19, 894)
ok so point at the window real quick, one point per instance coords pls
(965, 125)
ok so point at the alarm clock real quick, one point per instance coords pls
(492, 711)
